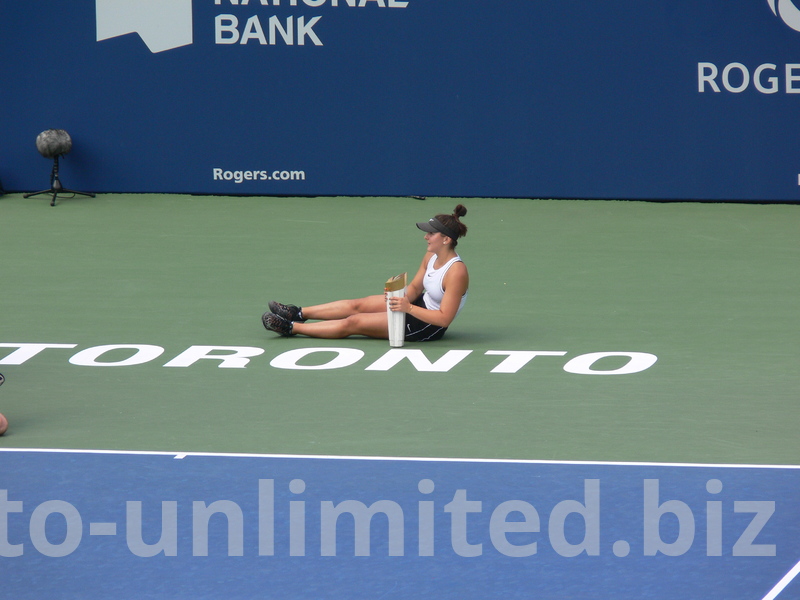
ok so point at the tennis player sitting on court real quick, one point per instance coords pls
(433, 298)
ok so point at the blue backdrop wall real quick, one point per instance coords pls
(665, 99)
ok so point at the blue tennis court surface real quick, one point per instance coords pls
(93, 524)
(614, 414)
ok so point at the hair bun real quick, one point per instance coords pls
(460, 211)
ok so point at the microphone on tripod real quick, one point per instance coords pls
(55, 143)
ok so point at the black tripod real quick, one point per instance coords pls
(55, 186)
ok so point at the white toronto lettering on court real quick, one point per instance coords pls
(328, 359)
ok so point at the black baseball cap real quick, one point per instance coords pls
(436, 226)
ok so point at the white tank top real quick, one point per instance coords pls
(432, 282)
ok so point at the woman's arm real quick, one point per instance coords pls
(456, 283)
(414, 289)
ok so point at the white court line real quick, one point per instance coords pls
(787, 579)
(182, 455)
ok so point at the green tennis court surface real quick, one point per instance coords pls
(709, 289)
(595, 333)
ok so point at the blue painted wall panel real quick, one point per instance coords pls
(454, 97)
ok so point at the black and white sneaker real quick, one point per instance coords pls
(290, 312)
(277, 324)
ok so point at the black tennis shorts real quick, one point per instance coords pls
(420, 331)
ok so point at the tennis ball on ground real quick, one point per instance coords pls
(3, 424)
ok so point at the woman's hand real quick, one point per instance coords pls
(399, 304)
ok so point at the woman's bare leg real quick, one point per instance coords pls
(370, 324)
(341, 309)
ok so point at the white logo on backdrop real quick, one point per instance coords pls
(162, 24)
(786, 10)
